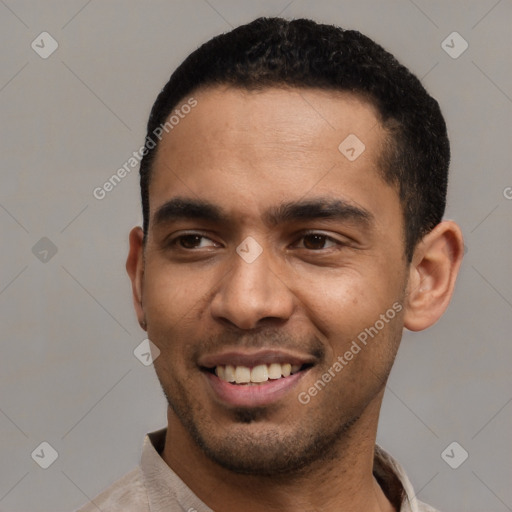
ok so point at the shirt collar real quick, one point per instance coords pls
(165, 487)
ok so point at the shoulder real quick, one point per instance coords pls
(125, 495)
(396, 484)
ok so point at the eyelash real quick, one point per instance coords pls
(174, 242)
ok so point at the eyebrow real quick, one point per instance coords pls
(180, 208)
(318, 208)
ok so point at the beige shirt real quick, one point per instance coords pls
(154, 487)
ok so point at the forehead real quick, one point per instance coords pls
(250, 148)
(292, 119)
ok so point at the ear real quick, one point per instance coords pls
(433, 270)
(135, 269)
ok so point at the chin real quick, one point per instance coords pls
(255, 447)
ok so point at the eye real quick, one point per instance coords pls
(192, 241)
(317, 241)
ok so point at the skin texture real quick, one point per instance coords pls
(246, 153)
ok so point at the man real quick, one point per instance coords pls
(293, 187)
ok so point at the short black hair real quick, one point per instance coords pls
(274, 52)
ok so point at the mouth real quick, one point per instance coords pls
(251, 380)
(259, 374)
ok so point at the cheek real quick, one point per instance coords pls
(341, 303)
(171, 295)
(173, 303)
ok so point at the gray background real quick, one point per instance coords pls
(68, 375)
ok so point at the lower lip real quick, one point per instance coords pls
(252, 395)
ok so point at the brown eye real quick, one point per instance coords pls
(315, 241)
(192, 241)
(189, 241)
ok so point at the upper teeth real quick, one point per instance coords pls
(260, 373)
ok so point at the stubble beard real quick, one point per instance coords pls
(258, 446)
(265, 451)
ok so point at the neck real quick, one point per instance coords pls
(342, 480)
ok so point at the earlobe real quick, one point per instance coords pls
(433, 271)
(135, 269)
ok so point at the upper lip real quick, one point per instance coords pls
(251, 359)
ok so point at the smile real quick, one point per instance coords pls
(256, 375)
(236, 379)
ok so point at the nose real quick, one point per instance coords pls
(253, 293)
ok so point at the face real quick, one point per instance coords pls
(270, 252)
